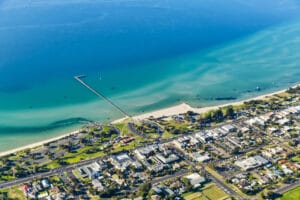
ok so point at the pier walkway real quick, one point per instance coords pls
(101, 96)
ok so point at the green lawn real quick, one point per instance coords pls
(52, 165)
(13, 193)
(182, 126)
(214, 192)
(296, 159)
(55, 179)
(220, 177)
(293, 194)
(123, 127)
(76, 173)
(193, 196)
(7, 178)
(129, 146)
(81, 154)
(167, 135)
(105, 128)
(210, 192)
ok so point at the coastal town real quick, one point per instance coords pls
(249, 150)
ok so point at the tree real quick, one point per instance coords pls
(151, 192)
(211, 165)
(208, 115)
(144, 189)
(175, 131)
(5, 161)
(187, 183)
(217, 115)
(287, 180)
(27, 151)
(234, 151)
(61, 161)
(269, 195)
(239, 134)
(229, 112)
(204, 147)
(190, 113)
(34, 169)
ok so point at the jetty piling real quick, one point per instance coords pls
(101, 96)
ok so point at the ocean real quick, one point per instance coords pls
(142, 54)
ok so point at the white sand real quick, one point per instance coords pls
(174, 110)
(166, 112)
(183, 108)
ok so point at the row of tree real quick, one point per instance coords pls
(220, 114)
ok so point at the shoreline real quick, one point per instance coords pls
(164, 112)
(37, 144)
(184, 107)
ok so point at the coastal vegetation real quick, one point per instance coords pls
(94, 141)
(104, 141)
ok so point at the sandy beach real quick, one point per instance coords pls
(183, 108)
(165, 112)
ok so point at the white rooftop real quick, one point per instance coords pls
(195, 179)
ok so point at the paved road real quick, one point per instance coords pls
(50, 173)
(288, 187)
(167, 177)
(222, 151)
(134, 131)
(214, 179)
(69, 168)
(80, 164)
(227, 189)
(90, 161)
(162, 179)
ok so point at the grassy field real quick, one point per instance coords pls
(214, 192)
(123, 127)
(220, 177)
(167, 135)
(211, 192)
(193, 196)
(12, 193)
(293, 194)
(296, 159)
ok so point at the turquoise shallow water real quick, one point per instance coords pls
(144, 55)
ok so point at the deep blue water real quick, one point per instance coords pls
(42, 40)
(128, 49)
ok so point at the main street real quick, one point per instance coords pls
(70, 168)
(213, 178)
(52, 172)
